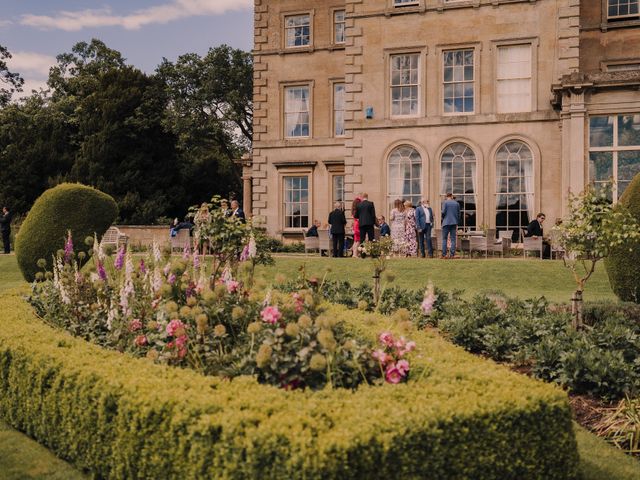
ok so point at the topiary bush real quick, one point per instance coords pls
(69, 206)
(623, 265)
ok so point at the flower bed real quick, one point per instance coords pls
(122, 417)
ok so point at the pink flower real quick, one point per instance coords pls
(232, 286)
(173, 326)
(381, 356)
(299, 302)
(386, 339)
(271, 315)
(172, 279)
(181, 341)
(410, 346)
(135, 325)
(68, 248)
(102, 274)
(140, 341)
(119, 261)
(393, 374)
(403, 367)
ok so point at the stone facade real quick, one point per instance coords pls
(505, 158)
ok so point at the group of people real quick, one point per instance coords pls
(5, 229)
(410, 227)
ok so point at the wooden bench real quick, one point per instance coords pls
(113, 236)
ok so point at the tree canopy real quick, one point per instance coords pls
(157, 143)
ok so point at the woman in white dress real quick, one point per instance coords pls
(397, 223)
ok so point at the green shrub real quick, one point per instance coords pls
(83, 210)
(623, 265)
(120, 417)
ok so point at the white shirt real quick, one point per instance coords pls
(427, 215)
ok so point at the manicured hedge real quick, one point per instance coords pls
(73, 207)
(119, 417)
(623, 265)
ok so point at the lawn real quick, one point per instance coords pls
(22, 458)
(514, 277)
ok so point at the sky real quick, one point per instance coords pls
(144, 31)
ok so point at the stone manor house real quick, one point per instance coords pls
(509, 104)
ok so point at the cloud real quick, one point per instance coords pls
(72, 21)
(32, 63)
(5, 23)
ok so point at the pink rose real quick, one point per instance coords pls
(403, 367)
(181, 341)
(232, 286)
(173, 326)
(271, 315)
(135, 325)
(140, 341)
(393, 375)
(381, 356)
(386, 339)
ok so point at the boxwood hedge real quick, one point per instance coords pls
(119, 417)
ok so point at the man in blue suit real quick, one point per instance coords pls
(424, 224)
(450, 216)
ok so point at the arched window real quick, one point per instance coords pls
(405, 174)
(458, 176)
(514, 187)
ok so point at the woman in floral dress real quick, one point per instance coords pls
(410, 237)
(397, 222)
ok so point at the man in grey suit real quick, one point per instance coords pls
(450, 216)
(424, 223)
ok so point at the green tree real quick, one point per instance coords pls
(35, 149)
(593, 228)
(9, 82)
(211, 114)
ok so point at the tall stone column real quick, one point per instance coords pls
(574, 151)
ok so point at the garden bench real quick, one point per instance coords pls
(113, 236)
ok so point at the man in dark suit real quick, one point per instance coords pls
(534, 230)
(5, 228)
(424, 224)
(337, 220)
(366, 215)
(237, 212)
(385, 229)
(450, 218)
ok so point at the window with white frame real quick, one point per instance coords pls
(296, 202)
(296, 111)
(405, 84)
(614, 150)
(405, 174)
(623, 9)
(458, 81)
(514, 187)
(514, 78)
(458, 176)
(405, 3)
(339, 25)
(337, 192)
(298, 30)
(338, 109)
